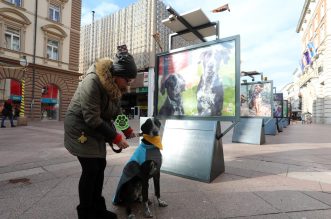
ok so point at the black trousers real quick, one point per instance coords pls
(91, 183)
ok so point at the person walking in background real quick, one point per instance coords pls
(88, 126)
(7, 112)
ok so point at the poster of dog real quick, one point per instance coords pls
(256, 99)
(199, 81)
(278, 105)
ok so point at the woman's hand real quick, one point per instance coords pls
(132, 135)
(123, 144)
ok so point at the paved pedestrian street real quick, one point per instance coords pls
(288, 177)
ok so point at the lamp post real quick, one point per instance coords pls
(22, 120)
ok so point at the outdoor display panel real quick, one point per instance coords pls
(278, 105)
(199, 82)
(256, 99)
(285, 108)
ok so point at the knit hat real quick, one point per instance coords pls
(124, 65)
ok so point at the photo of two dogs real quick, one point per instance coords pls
(144, 164)
(210, 92)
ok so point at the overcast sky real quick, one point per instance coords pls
(267, 29)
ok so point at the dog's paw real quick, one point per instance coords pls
(147, 212)
(131, 216)
(162, 203)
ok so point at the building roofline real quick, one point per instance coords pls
(302, 16)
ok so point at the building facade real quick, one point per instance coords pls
(135, 27)
(314, 82)
(46, 34)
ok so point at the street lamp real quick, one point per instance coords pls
(24, 62)
(22, 120)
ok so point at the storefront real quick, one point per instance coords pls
(11, 89)
(50, 99)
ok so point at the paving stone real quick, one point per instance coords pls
(286, 201)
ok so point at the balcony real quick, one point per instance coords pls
(306, 77)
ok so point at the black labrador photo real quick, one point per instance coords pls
(144, 164)
(173, 105)
(210, 93)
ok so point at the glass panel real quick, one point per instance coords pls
(49, 52)
(53, 43)
(56, 53)
(17, 2)
(8, 41)
(57, 16)
(50, 99)
(54, 12)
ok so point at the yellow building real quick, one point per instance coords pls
(46, 34)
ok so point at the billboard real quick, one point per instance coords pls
(199, 82)
(256, 99)
(278, 105)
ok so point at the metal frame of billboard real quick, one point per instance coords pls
(236, 117)
(271, 98)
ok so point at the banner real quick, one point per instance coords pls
(311, 49)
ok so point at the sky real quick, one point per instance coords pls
(267, 28)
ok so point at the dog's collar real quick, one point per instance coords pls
(155, 140)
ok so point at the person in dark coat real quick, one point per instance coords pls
(88, 126)
(7, 112)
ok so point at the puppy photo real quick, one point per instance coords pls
(144, 164)
(210, 93)
(173, 105)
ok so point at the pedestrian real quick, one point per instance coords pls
(303, 118)
(7, 112)
(87, 125)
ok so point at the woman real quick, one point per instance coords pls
(7, 112)
(88, 127)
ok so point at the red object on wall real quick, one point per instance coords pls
(50, 91)
(15, 88)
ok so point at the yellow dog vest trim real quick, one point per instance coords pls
(155, 140)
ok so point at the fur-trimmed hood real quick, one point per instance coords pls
(102, 69)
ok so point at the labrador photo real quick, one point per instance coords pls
(199, 81)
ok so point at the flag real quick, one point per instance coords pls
(220, 9)
(307, 57)
(311, 49)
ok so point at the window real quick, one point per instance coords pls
(12, 38)
(17, 3)
(53, 49)
(54, 13)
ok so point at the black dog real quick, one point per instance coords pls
(173, 105)
(210, 93)
(144, 164)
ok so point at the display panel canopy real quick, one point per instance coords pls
(196, 19)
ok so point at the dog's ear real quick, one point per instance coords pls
(147, 126)
(182, 82)
(157, 122)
